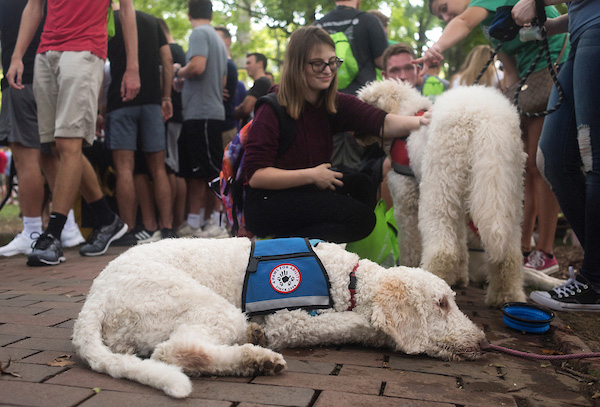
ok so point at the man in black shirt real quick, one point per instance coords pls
(256, 64)
(139, 123)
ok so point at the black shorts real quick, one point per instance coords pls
(200, 149)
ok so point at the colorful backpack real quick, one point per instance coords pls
(231, 179)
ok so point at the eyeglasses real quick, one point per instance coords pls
(333, 64)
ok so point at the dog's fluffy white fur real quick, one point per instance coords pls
(468, 164)
(178, 302)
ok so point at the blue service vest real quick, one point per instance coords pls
(284, 274)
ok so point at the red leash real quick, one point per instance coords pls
(527, 355)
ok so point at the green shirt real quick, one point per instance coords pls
(525, 52)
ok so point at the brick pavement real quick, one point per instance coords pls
(38, 307)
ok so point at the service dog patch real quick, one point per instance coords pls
(284, 273)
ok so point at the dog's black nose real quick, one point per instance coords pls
(484, 344)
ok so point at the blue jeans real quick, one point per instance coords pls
(569, 149)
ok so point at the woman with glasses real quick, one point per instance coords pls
(297, 192)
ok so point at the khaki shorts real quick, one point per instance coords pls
(66, 86)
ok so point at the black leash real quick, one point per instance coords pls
(485, 67)
(505, 29)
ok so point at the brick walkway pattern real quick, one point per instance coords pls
(38, 307)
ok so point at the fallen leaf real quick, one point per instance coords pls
(4, 371)
(97, 389)
(62, 361)
(544, 365)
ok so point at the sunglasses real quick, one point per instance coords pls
(333, 64)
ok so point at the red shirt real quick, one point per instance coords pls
(76, 25)
(315, 128)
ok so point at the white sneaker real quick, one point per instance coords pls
(213, 230)
(71, 237)
(185, 230)
(21, 244)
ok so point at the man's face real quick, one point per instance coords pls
(399, 66)
(252, 66)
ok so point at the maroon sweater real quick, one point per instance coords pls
(315, 128)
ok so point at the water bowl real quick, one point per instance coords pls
(527, 317)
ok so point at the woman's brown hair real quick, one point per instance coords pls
(473, 65)
(293, 86)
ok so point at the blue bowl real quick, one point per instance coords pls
(527, 317)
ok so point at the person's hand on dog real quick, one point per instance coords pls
(324, 177)
(425, 119)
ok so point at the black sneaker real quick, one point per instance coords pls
(168, 234)
(574, 295)
(47, 251)
(128, 239)
(103, 237)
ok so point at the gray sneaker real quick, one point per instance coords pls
(47, 251)
(103, 237)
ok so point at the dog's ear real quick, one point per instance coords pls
(378, 94)
(396, 311)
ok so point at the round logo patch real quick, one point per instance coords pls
(285, 278)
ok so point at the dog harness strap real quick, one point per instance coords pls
(352, 287)
(399, 154)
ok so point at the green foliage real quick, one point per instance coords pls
(174, 12)
(265, 25)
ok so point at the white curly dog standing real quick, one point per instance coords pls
(178, 303)
(468, 165)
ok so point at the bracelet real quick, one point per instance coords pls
(166, 99)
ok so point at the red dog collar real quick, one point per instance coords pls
(352, 287)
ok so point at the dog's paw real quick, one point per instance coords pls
(262, 361)
(256, 335)
(178, 387)
(271, 365)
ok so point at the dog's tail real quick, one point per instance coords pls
(88, 343)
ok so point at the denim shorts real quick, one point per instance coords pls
(134, 128)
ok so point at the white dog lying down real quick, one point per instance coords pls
(468, 164)
(178, 302)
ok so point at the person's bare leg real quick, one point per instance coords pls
(547, 205)
(143, 190)
(31, 180)
(162, 189)
(195, 196)
(530, 198)
(179, 203)
(68, 175)
(125, 188)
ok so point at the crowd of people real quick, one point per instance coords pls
(166, 117)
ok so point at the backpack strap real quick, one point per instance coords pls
(287, 125)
